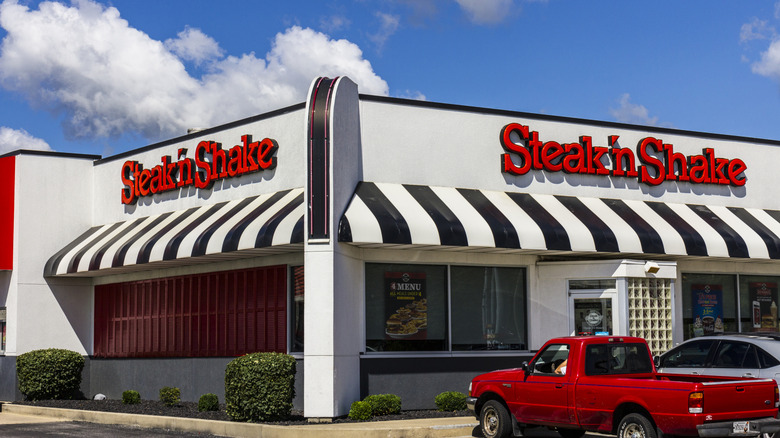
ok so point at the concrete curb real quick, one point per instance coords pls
(423, 428)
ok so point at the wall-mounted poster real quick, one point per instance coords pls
(406, 305)
(764, 307)
(707, 309)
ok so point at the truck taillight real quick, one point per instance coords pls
(777, 396)
(470, 391)
(695, 403)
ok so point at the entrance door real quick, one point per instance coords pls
(592, 311)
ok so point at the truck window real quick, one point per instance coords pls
(550, 358)
(604, 359)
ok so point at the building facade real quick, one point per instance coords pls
(391, 246)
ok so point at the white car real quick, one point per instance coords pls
(739, 355)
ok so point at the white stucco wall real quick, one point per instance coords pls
(54, 196)
(430, 145)
(290, 171)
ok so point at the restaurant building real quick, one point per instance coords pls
(390, 245)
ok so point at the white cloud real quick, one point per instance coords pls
(629, 112)
(769, 64)
(194, 45)
(388, 25)
(334, 23)
(13, 139)
(107, 78)
(486, 11)
(756, 30)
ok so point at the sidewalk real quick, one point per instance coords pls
(423, 428)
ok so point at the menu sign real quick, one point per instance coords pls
(707, 309)
(764, 307)
(406, 305)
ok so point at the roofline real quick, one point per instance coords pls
(207, 131)
(51, 154)
(547, 117)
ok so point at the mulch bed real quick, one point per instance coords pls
(190, 410)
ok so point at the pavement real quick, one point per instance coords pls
(460, 427)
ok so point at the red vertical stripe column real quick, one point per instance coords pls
(7, 178)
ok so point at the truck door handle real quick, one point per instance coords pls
(747, 375)
(559, 385)
(695, 372)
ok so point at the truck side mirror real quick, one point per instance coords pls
(524, 367)
(657, 361)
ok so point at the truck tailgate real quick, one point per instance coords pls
(740, 399)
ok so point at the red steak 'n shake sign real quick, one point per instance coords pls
(211, 163)
(657, 161)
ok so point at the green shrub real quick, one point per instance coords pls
(170, 396)
(360, 411)
(260, 387)
(384, 404)
(451, 401)
(131, 397)
(49, 374)
(208, 402)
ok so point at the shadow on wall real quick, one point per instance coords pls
(75, 297)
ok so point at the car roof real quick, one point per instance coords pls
(769, 341)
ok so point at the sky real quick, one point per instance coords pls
(106, 76)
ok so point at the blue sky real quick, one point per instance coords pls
(103, 77)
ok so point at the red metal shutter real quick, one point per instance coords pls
(215, 314)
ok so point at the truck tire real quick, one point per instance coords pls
(636, 426)
(494, 420)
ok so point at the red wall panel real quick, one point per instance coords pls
(7, 172)
(216, 314)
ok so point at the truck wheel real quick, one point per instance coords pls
(494, 420)
(636, 426)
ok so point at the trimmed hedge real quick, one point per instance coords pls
(383, 404)
(208, 402)
(49, 374)
(260, 387)
(131, 397)
(451, 401)
(360, 411)
(170, 396)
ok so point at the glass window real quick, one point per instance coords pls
(550, 359)
(730, 355)
(609, 283)
(766, 360)
(617, 359)
(689, 355)
(709, 304)
(406, 307)
(758, 303)
(296, 274)
(488, 308)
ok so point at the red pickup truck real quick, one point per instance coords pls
(609, 385)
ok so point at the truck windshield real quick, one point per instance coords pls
(617, 359)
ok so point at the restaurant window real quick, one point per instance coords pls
(227, 313)
(488, 308)
(406, 307)
(709, 304)
(758, 298)
(296, 309)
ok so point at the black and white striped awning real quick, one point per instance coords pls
(260, 224)
(395, 214)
